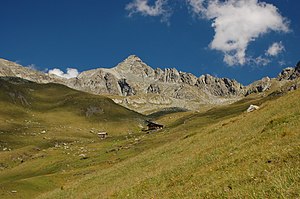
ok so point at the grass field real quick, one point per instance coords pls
(222, 152)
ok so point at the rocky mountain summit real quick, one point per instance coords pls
(134, 84)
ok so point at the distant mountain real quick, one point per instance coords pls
(134, 84)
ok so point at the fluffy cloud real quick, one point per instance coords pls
(237, 23)
(143, 7)
(275, 49)
(71, 72)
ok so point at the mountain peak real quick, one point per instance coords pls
(134, 65)
(133, 58)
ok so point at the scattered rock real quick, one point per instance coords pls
(293, 87)
(252, 108)
(83, 156)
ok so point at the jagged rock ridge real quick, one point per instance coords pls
(134, 84)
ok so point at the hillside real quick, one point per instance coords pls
(45, 128)
(222, 153)
(50, 148)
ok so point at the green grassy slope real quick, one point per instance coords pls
(222, 153)
(48, 130)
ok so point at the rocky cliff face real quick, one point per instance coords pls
(290, 73)
(134, 84)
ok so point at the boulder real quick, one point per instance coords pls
(252, 108)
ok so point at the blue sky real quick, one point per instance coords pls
(86, 34)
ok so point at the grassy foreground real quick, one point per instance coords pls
(220, 153)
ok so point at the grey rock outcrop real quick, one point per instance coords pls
(188, 78)
(126, 89)
(153, 88)
(259, 86)
(252, 108)
(290, 73)
(220, 86)
(111, 84)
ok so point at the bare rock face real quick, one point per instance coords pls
(290, 73)
(135, 66)
(11, 69)
(126, 89)
(287, 74)
(188, 78)
(259, 86)
(219, 86)
(153, 88)
(171, 75)
(111, 83)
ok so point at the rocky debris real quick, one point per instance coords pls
(153, 88)
(252, 108)
(259, 86)
(126, 89)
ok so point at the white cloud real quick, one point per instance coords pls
(237, 23)
(71, 72)
(143, 7)
(261, 61)
(275, 49)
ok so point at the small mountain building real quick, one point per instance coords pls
(154, 126)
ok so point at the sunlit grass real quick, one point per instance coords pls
(222, 152)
